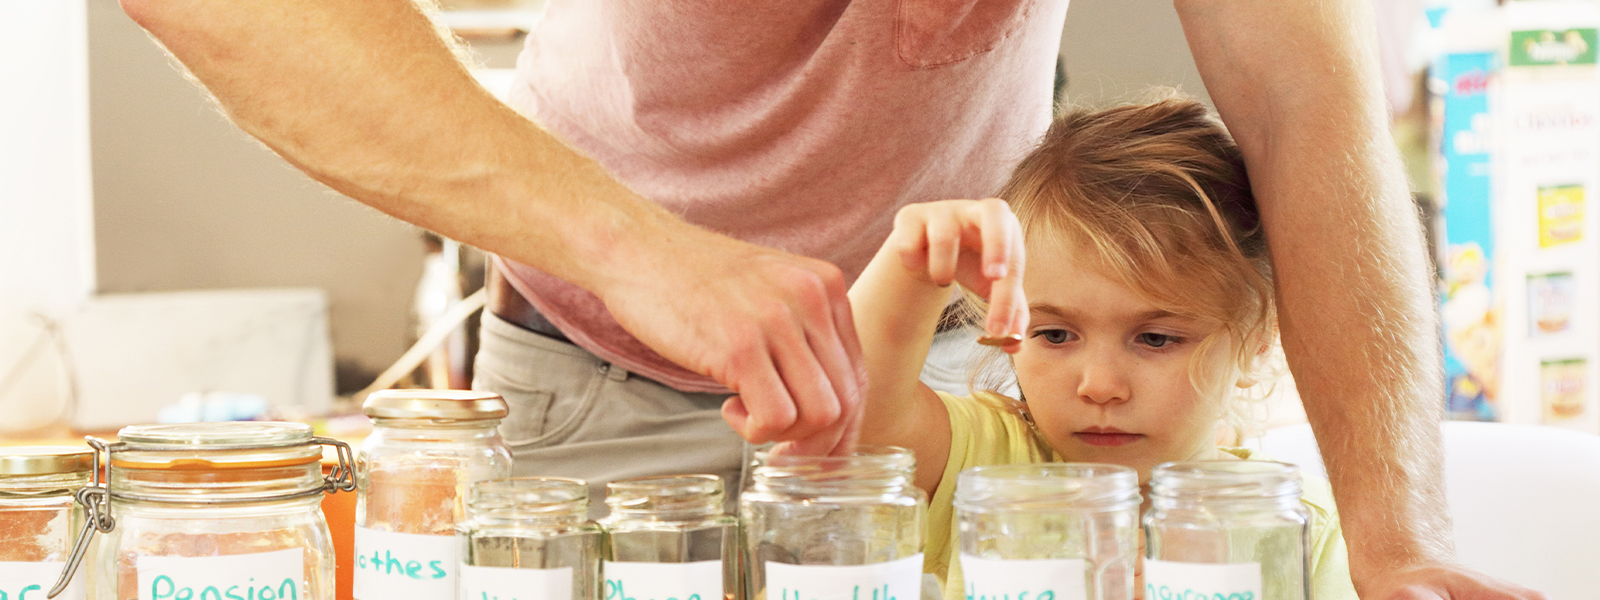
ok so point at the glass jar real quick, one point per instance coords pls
(1227, 528)
(38, 515)
(530, 538)
(426, 449)
(1068, 529)
(670, 537)
(214, 510)
(834, 526)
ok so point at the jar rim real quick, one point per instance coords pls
(1039, 486)
(202, 446)
(666, 493)
(890, 457)
(1225, 479)
(524, 497)
(30, 461)
(462, 405)
(870, 470)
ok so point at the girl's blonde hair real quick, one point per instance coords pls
(1159, 191)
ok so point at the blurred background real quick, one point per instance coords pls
(156, 263)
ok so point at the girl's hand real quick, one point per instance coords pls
(976, 243)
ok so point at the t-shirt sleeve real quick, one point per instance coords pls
(981, 433)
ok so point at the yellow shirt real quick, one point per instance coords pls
(983, 433)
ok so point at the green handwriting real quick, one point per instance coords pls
(1165, 593)
(164, 587)
(972, 594)
(614, 592)
(23, 595)
(387, 564)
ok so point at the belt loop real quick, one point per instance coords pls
(615, 373)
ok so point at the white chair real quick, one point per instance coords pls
(1525, 500)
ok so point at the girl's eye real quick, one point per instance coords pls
(1158, 340)
(1054, 336)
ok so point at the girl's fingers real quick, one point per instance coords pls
(997, 249)
(1002, 265)
(944, 246)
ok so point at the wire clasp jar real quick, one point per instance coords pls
(172, 494)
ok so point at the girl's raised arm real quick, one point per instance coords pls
(896, 305)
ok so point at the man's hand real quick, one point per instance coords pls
(773, 327)
(1443, 582)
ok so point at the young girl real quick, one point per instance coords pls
(1144, 307)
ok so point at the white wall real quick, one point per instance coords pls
(184, 200)
(1116, 49)
(46, 231)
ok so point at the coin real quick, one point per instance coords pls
(1000, 340)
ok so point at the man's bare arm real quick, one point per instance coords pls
(1297, 82)
(367, 97)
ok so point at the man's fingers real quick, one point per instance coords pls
(762, 408)
(833, 341)
(816, 402)
(735, 413)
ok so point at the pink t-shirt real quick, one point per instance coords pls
(796, 124)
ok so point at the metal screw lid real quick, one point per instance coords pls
(455, 405)
(45, 460)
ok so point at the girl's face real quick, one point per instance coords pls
(1106, 373)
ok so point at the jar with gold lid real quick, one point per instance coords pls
(414, 472)
(38, 515)
(214, 510)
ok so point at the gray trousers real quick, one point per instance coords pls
(575, 415)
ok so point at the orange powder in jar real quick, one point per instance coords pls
(38, 514)
(416, 495)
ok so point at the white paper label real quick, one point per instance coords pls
(405, 566)
(701, 580)
(503, 583)
(279, 575)
(32, 580)
(1166, 580)
(893, 580)
(1043, 579)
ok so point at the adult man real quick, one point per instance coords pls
(802, 124)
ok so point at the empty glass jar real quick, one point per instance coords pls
(834, 526)
(426, 450)
(669, 537)
(1227, 529)
(1061, 530)
(215, 510)
(530, 538)
(38, 516)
